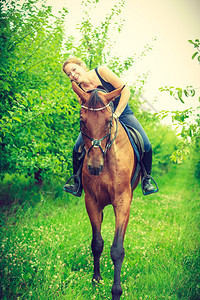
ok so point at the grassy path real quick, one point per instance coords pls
(45, 245)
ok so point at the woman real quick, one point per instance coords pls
(88, 80)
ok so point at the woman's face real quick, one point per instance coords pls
(75, 72)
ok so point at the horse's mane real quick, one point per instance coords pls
(95, 101)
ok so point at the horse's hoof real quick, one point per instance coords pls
(96, 279)
(116, 292)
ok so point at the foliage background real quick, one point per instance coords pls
(39, 112)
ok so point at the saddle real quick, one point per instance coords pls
(138, 147)
(137, 139)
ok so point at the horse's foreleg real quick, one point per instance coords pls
(97, 248)
(97, 241)
(117, 255)
(117, 249)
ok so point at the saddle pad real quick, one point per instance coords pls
(135, 138)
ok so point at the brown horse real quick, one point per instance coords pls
(108, 167)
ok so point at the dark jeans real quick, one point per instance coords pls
(127, 119)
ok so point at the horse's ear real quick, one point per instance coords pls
(112, 95)
(83, 97)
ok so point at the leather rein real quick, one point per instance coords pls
(96, 143)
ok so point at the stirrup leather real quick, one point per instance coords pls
(142, 185)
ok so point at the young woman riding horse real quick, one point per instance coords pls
(110, 161)
(89, 80)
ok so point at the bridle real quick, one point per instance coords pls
(96, 143)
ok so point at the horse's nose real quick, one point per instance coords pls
(95, 170)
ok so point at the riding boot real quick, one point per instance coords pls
(76, 188)
(147, 186)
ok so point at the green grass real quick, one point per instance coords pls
(46, 237)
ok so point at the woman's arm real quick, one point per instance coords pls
(112, 78)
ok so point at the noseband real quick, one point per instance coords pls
(96, 143)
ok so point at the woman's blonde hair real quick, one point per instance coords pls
(74, 60)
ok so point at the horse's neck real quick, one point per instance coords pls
(120, 138)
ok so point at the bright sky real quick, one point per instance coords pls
(172, 22)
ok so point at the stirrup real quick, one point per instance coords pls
(68, 190)
(142, 185)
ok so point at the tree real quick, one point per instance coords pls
(33, 109)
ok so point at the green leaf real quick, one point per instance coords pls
(195, 54)
(190, 132)
(17, 119)
(180, 95)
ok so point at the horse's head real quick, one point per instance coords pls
(96, 121)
